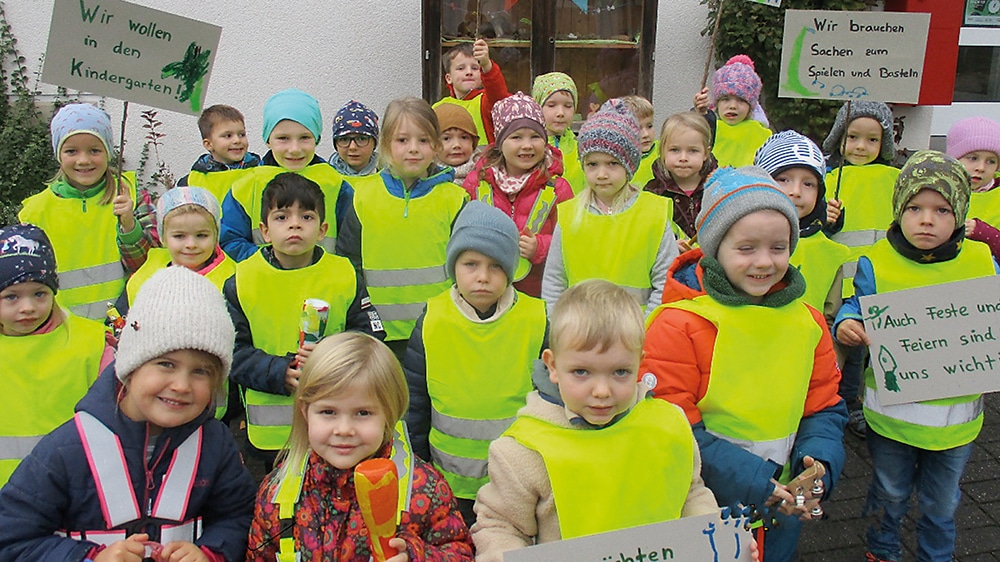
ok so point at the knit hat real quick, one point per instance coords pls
(78, 118)
(613, 130)
(454, 116)
(790, 149)
(737, 78)
(972, 134)
(355, 118)
(26, 255)
(177, 196)
(175, 309)
(862, 108)
(487, 230)
(733, 193)
(548, 84)
(294, 105)
(930, 169)
(516, 112)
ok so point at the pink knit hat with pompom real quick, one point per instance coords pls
(737, 78)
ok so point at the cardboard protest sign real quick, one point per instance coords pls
(853, 55)
(694, 539)
(131, 52)
(935, 342)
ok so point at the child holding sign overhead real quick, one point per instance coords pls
(924, 444)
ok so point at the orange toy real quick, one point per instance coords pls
(377, 487)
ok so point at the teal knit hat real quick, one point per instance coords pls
(294, 105)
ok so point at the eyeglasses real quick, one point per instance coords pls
(346, 140)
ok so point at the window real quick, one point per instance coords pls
(977, 76)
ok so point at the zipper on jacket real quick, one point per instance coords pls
(84, 202)
(148, 468)
(406, 202)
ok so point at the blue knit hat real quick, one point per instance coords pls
(294, 105)
(26, 255)
(790, 149)
(78, 118)
(186, 195)
(487, 230)
(355, 118)
(613, 130)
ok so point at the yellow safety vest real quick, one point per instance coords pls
(736, 145)
(44, 376)
(249, 189)
(219, 183)
(634, 472)
(739, 406)
(474, 397)
(272, 299)
(572, 168)
(84, 236)
(818, 259)
(931, 424)
(985, 206)
(540, 210)
(403, 243)
(645, 171)
(620, 248)
(474, 108)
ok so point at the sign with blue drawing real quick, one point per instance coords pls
(130, 52)
(935, 342)
(706, 538)
(875, 56)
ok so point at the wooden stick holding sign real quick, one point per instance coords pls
(711, 45)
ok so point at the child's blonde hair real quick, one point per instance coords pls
(639, 105)
(596, 314)
(416, 110)
(340, 362)
(685, 120)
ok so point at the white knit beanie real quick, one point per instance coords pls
(175, 309)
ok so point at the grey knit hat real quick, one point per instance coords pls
(175, 309)
(874, 109)
(733, 193)
(612, 130)
(487, 230)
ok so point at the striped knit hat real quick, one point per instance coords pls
(517, 112)
(790, 149)
(612, 130)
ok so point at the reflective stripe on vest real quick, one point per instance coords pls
(735, 145)
(777, 450)
(399, 236)
(650, 451)
(16, 448)
(818, 259)
(922, 413)
(474, 108)
(540, 211)
(274, 324)
(483, 430)
(859, 238)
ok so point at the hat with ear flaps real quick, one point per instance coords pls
(862, 108)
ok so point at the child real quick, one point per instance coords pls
(101, 230)
(348, 407)
(578, 460)
(556, 93)
(763, 403)
(51, 356)
(398, 228)
(924, 444)
(457, 387)
(160, 468)
(643, 111)
(459, 140)
(611, 230)
(224, 136)
(475, 83)
(292, 126)
(266, 296)
(975, 142)
(743, 128)
(520, 176)
(680, 172)
(355, 136)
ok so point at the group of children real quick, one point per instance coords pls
(584, 323)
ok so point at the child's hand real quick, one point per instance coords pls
(684, 246)
(528, 244)
(131, 549)
(400, 545)
(970, 227)
(122, 208)
(303, 353)
(180, 551)
(701, 101)
(754, 550)
(833, 210)
(292, 374)
(852, 332)
(481, 52)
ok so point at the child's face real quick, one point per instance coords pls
(411, 150)
(456, 147)
(292, 145)
(293, 232)
(648, 134)
(558, 111)
(464, 75)
(481, 279)
(732, 109)
(982, 166)
(228, 142)
(801, 186)
(172, 389)
(24, 307)
(346, 428)
(605, 175)
(356, 150)
(523, 150)
(595, 384)
(864, 141)
(83, 160)
(928, 220)
(190, 238)
(754, 252)
(684, 154)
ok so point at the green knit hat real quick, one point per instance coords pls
(930, 169)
